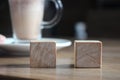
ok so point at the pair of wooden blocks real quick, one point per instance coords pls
(88, 54)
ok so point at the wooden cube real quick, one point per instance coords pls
(88, 53)
(42, 54)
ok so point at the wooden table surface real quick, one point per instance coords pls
(17, 67)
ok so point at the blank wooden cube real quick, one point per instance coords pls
(88, 53)
(42, 54)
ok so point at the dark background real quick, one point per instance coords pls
(101, 16)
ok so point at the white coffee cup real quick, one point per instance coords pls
(27, 18)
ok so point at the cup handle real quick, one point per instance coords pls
(57, 17)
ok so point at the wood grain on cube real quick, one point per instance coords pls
(43, 54)
(88, 53)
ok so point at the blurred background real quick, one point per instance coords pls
(99, 18)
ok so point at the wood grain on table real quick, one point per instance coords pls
(16, 67)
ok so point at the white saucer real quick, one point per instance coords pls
(9, 44)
